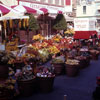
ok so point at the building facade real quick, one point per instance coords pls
(52, 5)
(89, 9)
(9, 2)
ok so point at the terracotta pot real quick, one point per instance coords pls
(72, 70)
(45, 84)
(4, 72)
(26, 87)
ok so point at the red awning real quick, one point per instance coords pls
(4, 9)
(84, 34)
(51, 11)
(26, 9)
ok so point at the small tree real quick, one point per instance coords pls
(60, 22)
(33, 24)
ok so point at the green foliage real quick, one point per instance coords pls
(33, 24)
(60, 22)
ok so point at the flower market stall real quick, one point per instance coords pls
(27, 63)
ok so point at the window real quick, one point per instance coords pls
(84, 9)
(57, 2)
(50, 1)
(62, 2)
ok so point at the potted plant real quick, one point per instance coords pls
(72, 67)
(26, 80)
(58, 64)
(45, 79)
(94, 53)
(83, 62)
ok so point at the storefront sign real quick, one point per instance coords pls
(38, 6)
(84, 24)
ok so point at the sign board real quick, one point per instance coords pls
(84, 24)
(38, 6)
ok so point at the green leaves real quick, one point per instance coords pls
(60, 22)
(33, 24)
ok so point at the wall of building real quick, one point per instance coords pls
(90, 10)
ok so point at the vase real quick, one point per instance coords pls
(45, 84)
(72, 70)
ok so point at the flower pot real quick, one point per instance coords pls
(94, 56)
(72, 70)
(26, 87)
(45, 84)
(58, 68)
(3, 71)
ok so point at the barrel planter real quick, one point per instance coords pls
(45, 84)
(3, 71)
(84, 61)
(72, 70)
(87, 60)
(94, 54)
(58, 68)
(26, 87)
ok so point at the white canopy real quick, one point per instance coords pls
(13, 15)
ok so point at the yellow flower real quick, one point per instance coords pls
(53, 50)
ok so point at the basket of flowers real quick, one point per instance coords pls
(94, 53)
(58, 64)
(83, 62)
(72, 67)
(26, 80)
(45, 79)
